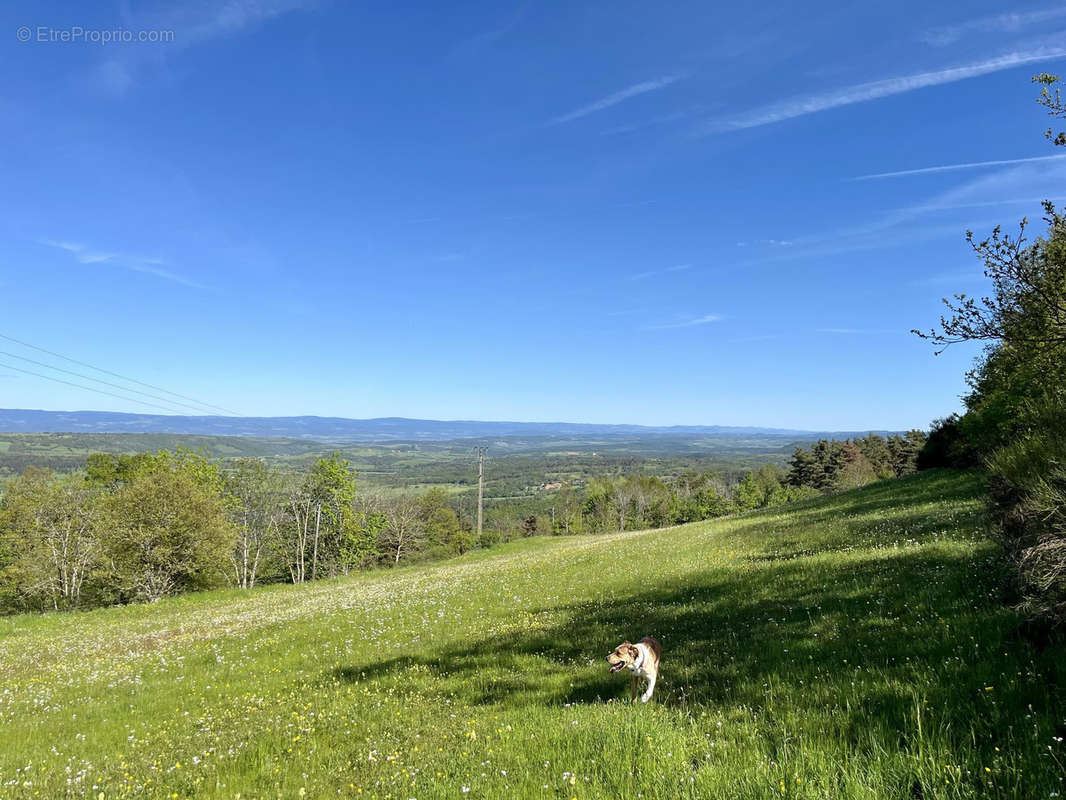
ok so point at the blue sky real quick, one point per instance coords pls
(601, 212)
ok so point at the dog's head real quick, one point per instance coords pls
(623, 656)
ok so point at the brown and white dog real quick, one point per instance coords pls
(642, 660)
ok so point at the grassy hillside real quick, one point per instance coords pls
(851, 647)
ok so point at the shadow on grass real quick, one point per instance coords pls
(864, 647)
(861, 627)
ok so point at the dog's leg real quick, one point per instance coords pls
(644, 698)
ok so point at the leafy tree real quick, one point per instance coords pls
(760, 488)
(404, 533)
(1014, 411)
(109, 470)
(1023, 322)
(55, 529)
(321, 521)
(599, 511)
(946, 446)
(167, 533)
(880, 453)
(529, 525)
(568, 519)
(854, 468)
(331, 486)
(361, 546)
(700, 496)
(442, 523)
(1051, 99)
(257, 512)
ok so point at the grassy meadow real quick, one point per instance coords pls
(855, 646)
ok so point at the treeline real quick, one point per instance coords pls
(143, 527)
(835, 466)
(1015, 419)
(137, 528)
(640, 501)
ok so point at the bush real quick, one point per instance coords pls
(1028, 496)
(948, 445)
(168, 534)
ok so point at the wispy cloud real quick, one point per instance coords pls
(952, 167)
(84, 254)
(769, 242)
(1025, 183)
(651, 273)
(1008, 23)
(492, 34)
(615, 98)
(874, 90)
(691, 322)
(192, 23)
(1020, 183)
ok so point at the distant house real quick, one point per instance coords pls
(554, 485)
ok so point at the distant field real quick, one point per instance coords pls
(516, 466)
(849, 647)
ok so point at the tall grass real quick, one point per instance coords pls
(855, 646)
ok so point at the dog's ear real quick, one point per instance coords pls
(632, 649)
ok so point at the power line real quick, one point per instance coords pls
(117, 375)
(97, 380)
(90, 388)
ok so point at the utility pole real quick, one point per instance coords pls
(480, 487)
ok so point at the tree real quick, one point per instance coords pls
(622, 496)
(1022, 322)
(56, 526)
(879, 453)
(404, 532)
(700, 495)
(167, 532)
(108, 470)
(650, 500)
(302, 515)
(568, 508)
(599, 505)
(529, 525)
(442, 523)
(760, 488)
(331, 487)
(804, 469)
(1026, 306)
(1014, 411)
(855, 469)
(321, 522)
(257, 513)
(361, 546)
(1051, 99)
(904, 450)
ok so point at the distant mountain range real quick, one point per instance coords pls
(340, 429)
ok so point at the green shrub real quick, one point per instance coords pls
(1028, 494)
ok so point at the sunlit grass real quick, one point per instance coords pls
(849, 647)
